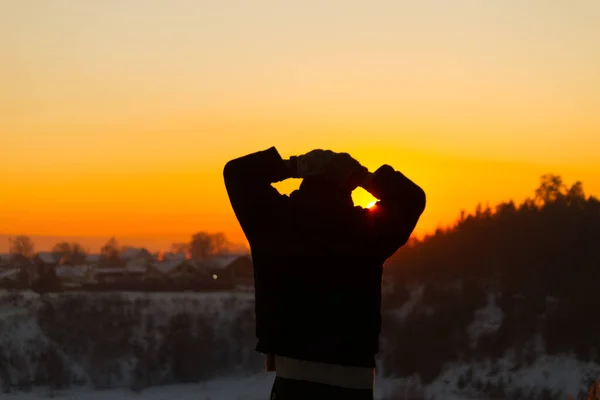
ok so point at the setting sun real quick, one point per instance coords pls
(363, 198)
(128, 137)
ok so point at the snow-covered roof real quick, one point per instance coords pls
(93, 258)
(134, 252)
(130, 253)
(118, 270)
(14, 260)
(136, 263)
(165, 267)
(47, 257)
(223, 260)
(174, 256)
(72, 272)
(9, 273)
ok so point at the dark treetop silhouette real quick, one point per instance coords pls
(318, 263)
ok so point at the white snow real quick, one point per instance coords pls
(118, 270)
(78, 271)
(488, 319)
(416, 295)
(131, 253)
(9, 273)
(47, 257)
(166, 267)
(27, 295)
(562, 373)
(559, 374)
(254, 387)
(7, 311)
(169, 256)
(93, 258)
(223, 261)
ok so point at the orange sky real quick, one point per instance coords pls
(117, 117)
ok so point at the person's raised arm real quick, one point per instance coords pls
(248, 182)
(395, 215)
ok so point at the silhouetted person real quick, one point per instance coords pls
(318, 263)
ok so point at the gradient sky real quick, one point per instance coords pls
(117, 116)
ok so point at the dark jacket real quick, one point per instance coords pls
(318, 274)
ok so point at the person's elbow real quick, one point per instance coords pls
(231, 172)
(419, 200)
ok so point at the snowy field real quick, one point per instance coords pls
(21, 336)
(255, 387)
(243, 388)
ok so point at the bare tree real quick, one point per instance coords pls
(220, 244)
(78, 254)
(61, 250)
(110, 252)
(70, 253)
(21, 245)
(206, 244)
(180, 248)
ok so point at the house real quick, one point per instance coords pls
(135, 253)
(9, 274)
(93, 259)
(43, 278)
(138, 263)
(136, 258)
(74, 276)
(14, 261)
(188, 270)
(176, 269)
(117, 274)
(170, 256)
(14, 278)
(236, 269)
(46, 258)
(158, 270)
(5, 260)
(44, 262)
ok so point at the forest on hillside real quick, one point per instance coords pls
(539, 259)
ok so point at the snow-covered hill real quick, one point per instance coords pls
(202, 345)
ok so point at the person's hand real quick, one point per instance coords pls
(340, 168)
(314, 162)
(364, 180)
(345, 171)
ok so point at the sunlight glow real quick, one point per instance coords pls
(371, 204)
(128, 137)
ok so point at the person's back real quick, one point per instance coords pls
(318, 266)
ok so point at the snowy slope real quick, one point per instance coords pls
(255, 387)
(24, 335)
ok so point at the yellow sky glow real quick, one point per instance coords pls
(116, 117)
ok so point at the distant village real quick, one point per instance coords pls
(134, 269)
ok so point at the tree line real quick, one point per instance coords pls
(549, 244)
(540, 259)
(200, 246)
